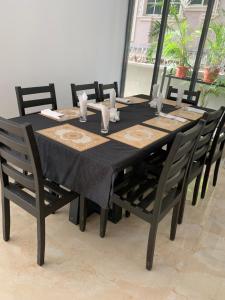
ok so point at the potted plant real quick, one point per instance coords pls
(176, 44)
(215, 51)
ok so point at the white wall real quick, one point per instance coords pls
(60, 41)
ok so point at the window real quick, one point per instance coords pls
(199, 2)
(154, 7)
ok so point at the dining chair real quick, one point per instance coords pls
(151, 199)
(85, 87)
(23, 182)
(196, 169)
(189, 97)
(24, 104)
(104, 90)
(215, 154)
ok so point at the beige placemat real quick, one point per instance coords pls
(69, 114)
(136, 100)
(138, 136)
(118, 105)
(165, 123)
(186, 114)
(173, 103)
(73, 137)
(72, 113)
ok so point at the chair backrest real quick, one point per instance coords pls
(173, 177)
(23, 104)
(218, 138)
(104, 90)
(20, 161)
(212, 120)
(75, 89)
(189, 97)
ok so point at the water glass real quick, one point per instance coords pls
(105, 120)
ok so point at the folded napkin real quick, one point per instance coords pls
(52, 114)
(112, 99)
(196, 110)
(153, 103)
(123, 100)
(155, 91)
(89, 101)
(168, 116)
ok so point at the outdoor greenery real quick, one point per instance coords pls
(217, 88)
(176, 41)
(215, 45)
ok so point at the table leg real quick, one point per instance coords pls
(74, 211)
(115, 214)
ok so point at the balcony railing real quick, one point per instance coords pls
(139, 54)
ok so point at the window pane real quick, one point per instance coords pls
(158, 9)
(150, 9)
(196, 2)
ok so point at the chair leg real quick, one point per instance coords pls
(216, 171)
(205, 181)
(103, 221)
(173, 229)
(196, 190)
(182, 205)
(151, 246)
(6, 219)
(40, 241)
(127, 214)
(83, 213)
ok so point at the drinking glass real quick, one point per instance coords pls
(105, 117)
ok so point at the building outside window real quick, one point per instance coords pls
(154, 7)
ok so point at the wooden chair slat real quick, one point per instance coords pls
(22, 104)
(85, 87)
(21, 178)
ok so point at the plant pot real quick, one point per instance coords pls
(210, 74)
(181, 71)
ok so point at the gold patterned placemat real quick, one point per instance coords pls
(186, 114)
(73, 137)
(136, 100)
(138, 136)
(165, 123)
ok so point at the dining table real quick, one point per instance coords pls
(79, 157)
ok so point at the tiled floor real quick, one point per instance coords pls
(83, 266)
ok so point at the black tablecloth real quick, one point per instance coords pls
(91, 173)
